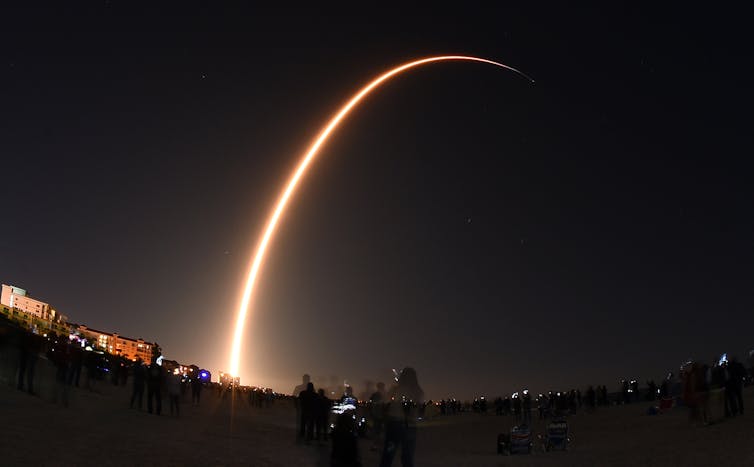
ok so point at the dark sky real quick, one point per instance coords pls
(493, 234)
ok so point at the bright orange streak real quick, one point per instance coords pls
(303, 165)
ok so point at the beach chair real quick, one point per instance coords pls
(556, 436)
(518, 441)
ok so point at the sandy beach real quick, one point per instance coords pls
(98, 428)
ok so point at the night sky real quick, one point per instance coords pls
(493, 234)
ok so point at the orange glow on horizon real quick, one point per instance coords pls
(272, 222)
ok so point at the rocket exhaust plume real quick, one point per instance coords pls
(311, 153)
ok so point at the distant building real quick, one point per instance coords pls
(19, 299)
(117, 345)
(40, 317)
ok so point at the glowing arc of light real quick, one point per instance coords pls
(299, 172)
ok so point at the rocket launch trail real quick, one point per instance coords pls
(300, 171)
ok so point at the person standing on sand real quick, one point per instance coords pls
(516, 408)
(305, 380)
(403, 402)
(694, 392)
(308, 403)
(591, 398)
(138, 388)
(377, 414)
(527, 407)
(29, 347)
(322, 415)
(297, 403)
(60, 356)
(735, 386)
(174, 391)
(196, 389)
(154, 387)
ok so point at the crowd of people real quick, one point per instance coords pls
(711, 391)
(389, 417)
(75, 367)
(313, 411)
(699, 387)
(156, 379)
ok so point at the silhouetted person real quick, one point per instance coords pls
(308, 403)
(23, 359)
(517, 409)
(665, 388)
(305, 380)
(591, 398)
(322, 415)
(348, 397)
(737, 374)
(695, 392)
(122, 371)
(402, 411)
(526, 402)
(196, 389)
(77, 362)
(635, 390)
(377, 414)
(345, 446)
(557, 403)
(720, 379)
(29, 347)
(542, 406)
(60, 356)
(154, 387)
(174, 391)
(651, 390)
(140, 374)
(90, 364)
(702, 378)
(572, 404)
(498, 405)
